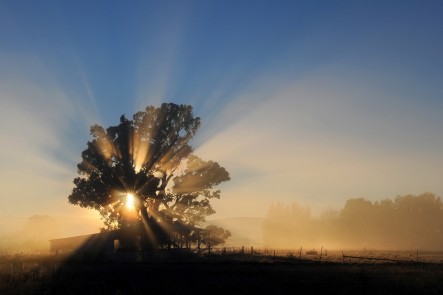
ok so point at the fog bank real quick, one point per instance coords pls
(404, 223)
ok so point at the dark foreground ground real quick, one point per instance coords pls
(227, 275)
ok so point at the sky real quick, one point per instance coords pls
(313, 102)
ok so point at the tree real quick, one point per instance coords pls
(214, 235)
(144, 170)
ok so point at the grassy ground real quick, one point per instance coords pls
(231, 274)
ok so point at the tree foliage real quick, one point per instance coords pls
(150, 158)
(215, 235)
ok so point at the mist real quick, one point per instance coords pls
(406, 222)
(32, 234)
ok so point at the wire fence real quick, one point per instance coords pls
(339, 256)
(268, 254)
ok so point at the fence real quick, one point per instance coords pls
(339, 256)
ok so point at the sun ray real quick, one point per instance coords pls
(130, 201)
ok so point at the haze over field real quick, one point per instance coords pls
(404, 223)
(300, 102)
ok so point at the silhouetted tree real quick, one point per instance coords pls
(147, 163)
(215, 235)
(356, 219)
(420, 219)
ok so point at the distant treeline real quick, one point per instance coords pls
(407, 222)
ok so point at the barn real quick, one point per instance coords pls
(105, 244)
(122, 244)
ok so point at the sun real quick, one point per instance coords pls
(130, 201)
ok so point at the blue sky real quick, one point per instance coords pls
(302, 101)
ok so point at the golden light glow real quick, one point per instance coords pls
(140, 154)
(130, 201)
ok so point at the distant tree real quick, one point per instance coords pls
(214, 236)
(406, 222)
(420, 219)
(357, 222)
(144, 170)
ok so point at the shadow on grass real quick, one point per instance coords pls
(216, 274)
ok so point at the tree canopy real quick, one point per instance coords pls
(144, 170)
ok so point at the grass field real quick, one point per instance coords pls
(219, 274)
